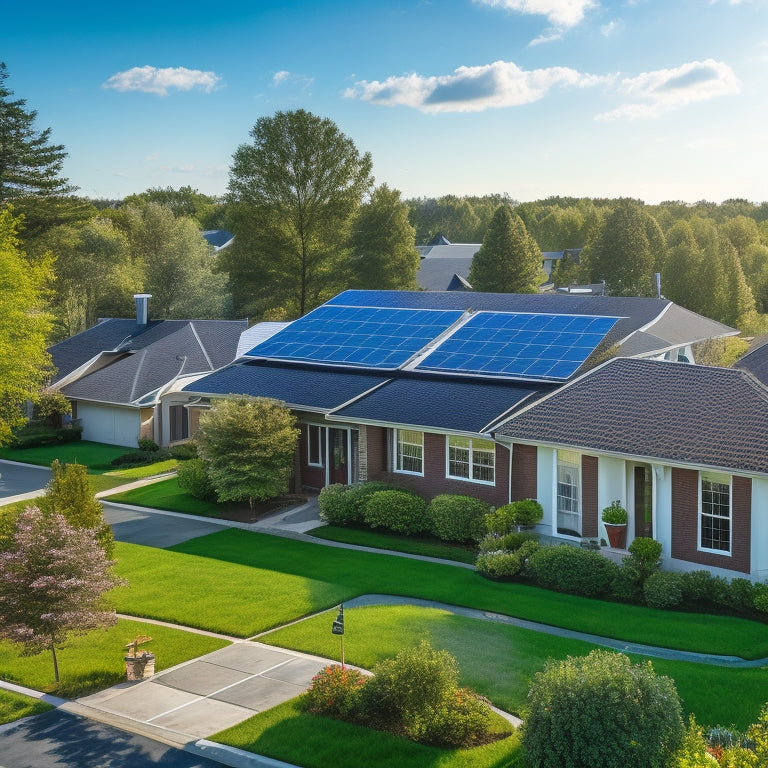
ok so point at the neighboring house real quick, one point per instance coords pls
(218, 238)
(115, 372)
(550, 258)
(683, 447)
(756, 360)
(419, 389)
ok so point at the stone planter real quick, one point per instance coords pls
(140, 667)
(617, 535)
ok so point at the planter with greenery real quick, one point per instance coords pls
(615, 521)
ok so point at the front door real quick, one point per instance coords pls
(338, 458)
(643, 501)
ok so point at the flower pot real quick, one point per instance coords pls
(617, 535)
(140, 667)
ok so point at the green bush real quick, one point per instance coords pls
(502, 564)
(34, 435)
(509, 517)
(140, 458)
(335, 692)
(647, 552)
(740, 595)
(760, 602)
(702, 587)
(184, 451)
(664, 589)
(462, 721)
(572, 569)
(335, 504)
(644, 559)
(601, 711)
(457, 518)
(397, 511)
(148, 444)
(193, 478)
(511, 542)
(614, 514)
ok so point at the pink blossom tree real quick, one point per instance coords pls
(53, 578)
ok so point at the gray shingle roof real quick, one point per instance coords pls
(756, 362)
(675, 412)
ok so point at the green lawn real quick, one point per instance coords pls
(166, 494)
(296, 578)
(286, 733)
(14, 706)
(96, 456)
(94, 661)
(410, 544)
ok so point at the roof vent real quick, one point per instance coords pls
(142, 300)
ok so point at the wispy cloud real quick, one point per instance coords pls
(559, 13)
(159, 81)
(653, 93)
(283, 77)
(470, 89)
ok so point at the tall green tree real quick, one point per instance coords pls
(248, 446)
(184, 201)
(383, 255)
(296, 187)
(739, 302)
(682, 279)
(509, 261)
(24, 328)
(622, 254)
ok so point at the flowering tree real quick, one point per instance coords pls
(53, 578)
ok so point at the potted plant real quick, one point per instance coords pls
(139, 663)
(615, 521)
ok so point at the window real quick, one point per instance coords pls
(315, 445)
(409, 451)
(715, 512)
(569, 493)
(470, 458)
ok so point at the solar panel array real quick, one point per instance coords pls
(368, 337)
(521, 345)
(524, 345)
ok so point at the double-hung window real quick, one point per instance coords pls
(471, 458)
(409, 451)
(715, 512)
(569, 493)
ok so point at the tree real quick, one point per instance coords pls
(682, 278)
(185, 201)
(383, 254)
(24, 328)
(70, 494)
(601, 711)
(249, 447)
(509, 261)
(52, 584)
(296, 187)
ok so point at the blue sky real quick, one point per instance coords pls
(655, 99)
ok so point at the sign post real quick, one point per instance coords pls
(338, 629)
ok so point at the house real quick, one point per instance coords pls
(550, 259)
(115, 372)
(444, 266)
(683, 447)
(424, 390)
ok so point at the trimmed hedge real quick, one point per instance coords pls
(35, 435)
(396, 510)
(501, 564)
(457, 518)
(572, 569)
(344, 505)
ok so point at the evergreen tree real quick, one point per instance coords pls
(509, 261)
(382, 244)
(739, 302)
(682, 278)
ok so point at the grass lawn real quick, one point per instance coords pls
(166, 494)
(500, 661)
(410, 544)
(286, 733)
(14, 706)
(92, 662)
(116, 477)
(296, 578)
(96, 456)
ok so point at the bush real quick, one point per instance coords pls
(615, 514)
(511, 516)
(703, 587)
(398, 511)
(34, 435)
(501, 564)
(462, 721)
(335, 504)
(457, 518)
(140, 458)
(193, 478)
(148, 444)
(51, 407)
(664, 589)
(644, 559)
(184, 451)
(335, 692)
(510, 542)
(572, 569)
(601, 711)
(740, 595)
(760, 603)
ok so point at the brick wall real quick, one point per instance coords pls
(685, 522)
(310, 477)
(524, 469)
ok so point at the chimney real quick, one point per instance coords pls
(141, 307)
(657, 283)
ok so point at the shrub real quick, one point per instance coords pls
(457, 518)
(510, 542)
(664, 589)
(51, 406)
(740, 595)
(647, 552)
(335, 504)
(34, 435)
(462, 721)
(360, 492)
(398, 511)
(140, 458)
(148, 444)
(601, 711)
(184, 451)
(501, 564)
(572, 569)
(615, 514)
(508, 518)
(335, 692)
(760, 602)
(644, 559)
(193, 478)
(703, 587)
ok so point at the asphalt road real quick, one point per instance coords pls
(58, 739)
(19, 478)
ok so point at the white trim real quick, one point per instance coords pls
(471, 463)
(396, 453)
(320, 443)
(700, 514)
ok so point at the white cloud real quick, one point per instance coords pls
(470, 89)
(653, 93)
(159, 81)
(609, 29)
(283, 77)
(560, 13)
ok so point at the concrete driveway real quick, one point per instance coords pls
(22, 480)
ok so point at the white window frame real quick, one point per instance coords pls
(400, 454)
(320, 445)
(473, 467)
(568, 461)
(722, 479)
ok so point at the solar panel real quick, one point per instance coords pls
(521, 345)
(370, 337)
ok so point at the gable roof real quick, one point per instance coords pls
(756, 361)
(657, 410)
